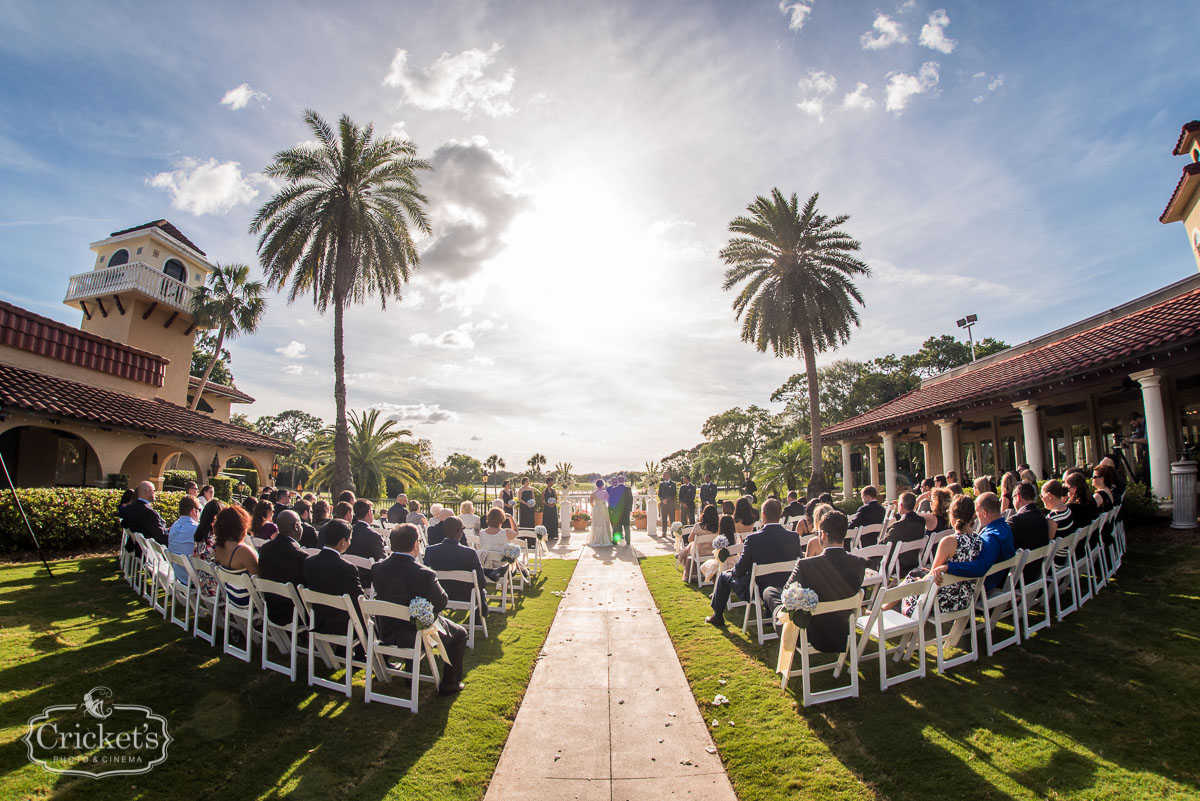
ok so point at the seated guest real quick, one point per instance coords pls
(727, 529)
(834, 575)
(951, 478)
(263, 511)
(771, 543)
(141, 517)
(250, 503)
(1030, 529)
(1027, 475)
(1008, 488)
(940, 481)
(191, 489)
(466, 513)
(433, 534)
(996, 545)
(127, 498)
(1119, 487)
(415, 518)
(341, 511)
(400, 578)
(347, 496)
(744, 516)
(203, 543)
(434, 509)
(954, 489)
(938, 516)
(1083, 506)
(1104, 479)
(983, 484)
(923, 500)
(454, 554)
(1058, 514)
(181, 539)
(806, 529)
(871, 513)
(326, 571)
(493, 539)
(709, 523)
(282, 559)
(795, 507)
(231, 551)
(308, 532)
(365, 541)
(398, 511)
(907, 527)
(728, 507)
(205, 495)
(320, 514)
(963, 545)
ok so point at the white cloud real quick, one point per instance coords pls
(887, 33)
(797, 12)
(813, 107)
(902, 87)
(424, 414)
(907, 5)
(483, 361)
(397, 131)
(293, 350)
(457, 82)
(240, 96)
(933, 35)
(995, 83)
(293, 369)
(818, 82)
(455, 339)
(858, 98)
(476, 438)
(207, 187)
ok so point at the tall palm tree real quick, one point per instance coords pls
(231, 303)
(492, 463)
(536, 463)
(799, 297)
(780, 470)
(376, 452)
(339, 230)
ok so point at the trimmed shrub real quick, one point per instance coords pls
(245, 476)
(222, 488)
(67, 518)
(179, 478)
(1138, 503)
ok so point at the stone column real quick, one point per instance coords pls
(949, 446)
(1031, 434)
(873, 450)
(925, 458)
(1156, 432)
(889, 464)
(847, 474)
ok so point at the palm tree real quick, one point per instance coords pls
(492, 463)
(376, 452)
(339, 230)
(233, 304)
(536, 463)
(780, 470)
(799, 297)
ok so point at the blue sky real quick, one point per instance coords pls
(1006, 159)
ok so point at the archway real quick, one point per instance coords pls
(240, 465)
(148, 462)
(40, 456)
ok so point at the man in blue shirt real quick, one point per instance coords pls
(997, 545)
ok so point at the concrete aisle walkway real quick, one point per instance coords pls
(608, 715)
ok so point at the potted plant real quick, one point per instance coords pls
(639, 519)
(580, 521)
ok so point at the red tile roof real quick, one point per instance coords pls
(48, 396)
(22, 329)
(1107, 344)
(1188, 127)
(220, 389)
(167, 229)
(1188, 171)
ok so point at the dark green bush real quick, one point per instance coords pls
(244, 475)
(117, 481)
(69, 518)
(222, 488)
(1139, 504)
(178, 478)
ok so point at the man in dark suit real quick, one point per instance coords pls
(398, 511)
(1030, 528)
(279, 499)
(400, 578)
(365, 541)
(329, 573)
(795, 507)
(833, 575)
(308, 533)
(667, 494)
(687, 502)
(436, 532)
(281, 559)
(708, 492)
(771, 543)
(452, 554)
(871, 513)
(141, 517)
(907, 527)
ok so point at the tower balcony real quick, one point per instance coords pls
(136, 278)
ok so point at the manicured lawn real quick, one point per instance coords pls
(240, 732)
(1105, 705)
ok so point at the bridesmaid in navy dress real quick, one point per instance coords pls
(550, 510)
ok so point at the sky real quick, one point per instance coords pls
(1008, 160)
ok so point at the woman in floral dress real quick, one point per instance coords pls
(961, 546)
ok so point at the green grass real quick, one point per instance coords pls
(241, 732)
(1105, 705)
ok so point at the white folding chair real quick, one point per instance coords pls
(125, 557)
(1062, 574)
(243, 604)
(755, 602)
(1034, 590)
(474, 607)
(1094, 552)
(1002, 602)
(735, 553)
(891, 624)
(691, 568)
(1084, 580)
(874, 531)
(875, 576)
(258, 542)
(143, 568)
(1118, 536)
(285, 636)
(894, 568)
(960, 622)
(377, 651)
(162, 577)
(322, 644)
(850, 607)
(181, 590)
(931, 546)
(205, 603)
(503, 583)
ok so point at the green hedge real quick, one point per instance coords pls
(69, 518)
(222, 488)
(179, 478)
(244, 475)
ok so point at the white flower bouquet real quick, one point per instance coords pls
(676, 527)
(799, 602)
(420, 611)
(511, 553)
(540, 532)
(720, 547)
(532, 502)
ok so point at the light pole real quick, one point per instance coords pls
(966, 323)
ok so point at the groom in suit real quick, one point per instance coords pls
(620, 503)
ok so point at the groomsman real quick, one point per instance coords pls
(708, 492)
(667, 493)
(687, 502)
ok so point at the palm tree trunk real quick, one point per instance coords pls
(208, 369)
(342, 477)
(816, 482)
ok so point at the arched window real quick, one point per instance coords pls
(175, 269)
(119, 258)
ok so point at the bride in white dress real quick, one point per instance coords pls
(601, 525)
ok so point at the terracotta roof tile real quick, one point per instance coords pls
(1188, 127)
(1188, 170)
(1110, 343)
(166, 228)
(57, 397)
(220, 389)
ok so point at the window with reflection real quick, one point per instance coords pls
(119, 258)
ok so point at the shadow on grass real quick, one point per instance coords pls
(241, 732)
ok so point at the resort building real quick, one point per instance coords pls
(112, 396)
(1125, 382)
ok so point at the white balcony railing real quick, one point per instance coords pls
(133, 277)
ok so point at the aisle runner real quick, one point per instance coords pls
(608, 714)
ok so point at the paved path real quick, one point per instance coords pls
(608, 715)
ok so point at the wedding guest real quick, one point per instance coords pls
(127, 497)
(181, 538)
(871, 513)
(1008, 485)
(398, 511)
(526, 509)
(961, 546)
(263, 511)
(454, 554)
(1104, 479)
(466, 513)
(1119, 487)
(191, 489)
(1083, 506)
(550, 510)
(1058, 513)
(983, 484)
(326, 571)
(320, 514)
(708, 524)
(940, 481)
(954, 489)
(951, 477)
(1027, 475)
(744, 515)
(203, 530)
(308, 532)
(203, 543)
(205, 495)
(795, 507)
(668, 493)
(141, 517)
(506, 497)
(907, 527)
(282, 560)
(938, 516)
(343, 510)
(231, 551)
(727, 507)
(347, 496)
(771, 543)
(834, 575)
(415, 518)
(493, 538)
(925, 498)
(250, 503)
(400, 578)
(1030, 528)
(365, 541)
(814, 546)
(279, 500)
(708, 491)
(687, 502)
(996, 545)
(433, 534)
(725, 528)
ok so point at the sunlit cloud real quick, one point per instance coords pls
(887, 32)
(208, 187)
(933, 34)
(797, 12)
(902, 87)
(458, 82)
(240, 96)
